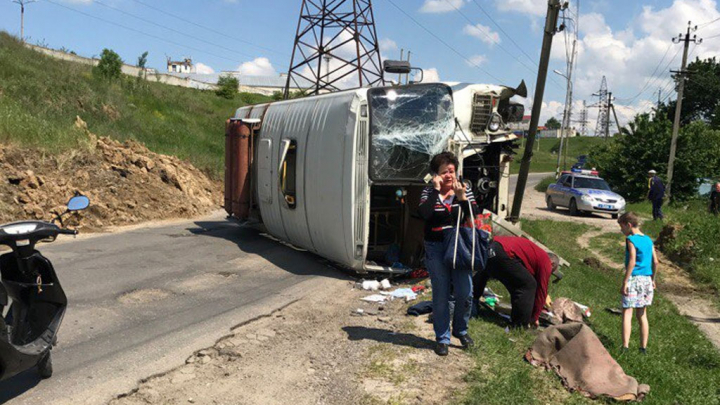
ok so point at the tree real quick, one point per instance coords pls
(552, 123)
(110, 65)
(142, 61)
(227, 87)
(702, 94)
(626, 158)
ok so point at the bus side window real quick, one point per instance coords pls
(289, 175)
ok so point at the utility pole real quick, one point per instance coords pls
(607, 115)
(554, 7)
(402, 52)
(659, 94)
(407, 75)
(680, 76)
(22, 4)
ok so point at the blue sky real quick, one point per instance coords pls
(623, 40)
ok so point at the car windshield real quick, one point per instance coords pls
(597, 184)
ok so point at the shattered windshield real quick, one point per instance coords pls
(408, 125)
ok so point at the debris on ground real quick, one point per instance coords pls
(583, 364)
(126, 184)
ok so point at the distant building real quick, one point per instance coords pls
(184, 66)
(250, 84)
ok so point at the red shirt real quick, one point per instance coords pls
(535, 260)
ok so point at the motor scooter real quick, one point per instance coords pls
(32, 302)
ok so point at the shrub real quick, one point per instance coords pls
(110, 65)
(544, 183)
(227, 87)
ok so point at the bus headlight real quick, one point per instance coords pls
(495, 122)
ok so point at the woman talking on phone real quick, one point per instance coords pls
(440, 205)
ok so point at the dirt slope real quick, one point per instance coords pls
(126, 184)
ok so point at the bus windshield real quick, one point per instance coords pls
(408, 125)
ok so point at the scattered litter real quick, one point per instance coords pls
(406, 293)
(615, 311)
(374, 298)
(418, 288)
(385, 284)
(372, 285)
(420, 308)
(507, 329)
(418, 273)
(358, 312)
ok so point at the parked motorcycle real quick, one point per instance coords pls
(32, 302)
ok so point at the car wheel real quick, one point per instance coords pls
(573, 207)
(550, 205)
(45, 367)
(615, 216)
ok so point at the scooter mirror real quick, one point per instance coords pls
(78, 203)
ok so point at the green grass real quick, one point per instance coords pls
(682, 366)
(40, 97)
(544, 183)
(611, 245)
(545, 158)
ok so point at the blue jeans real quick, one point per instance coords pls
(447, 282)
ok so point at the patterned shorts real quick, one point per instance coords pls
(640, 292)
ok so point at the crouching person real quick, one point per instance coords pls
(524, 269)
(440, 206)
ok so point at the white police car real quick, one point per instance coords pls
(584, 191)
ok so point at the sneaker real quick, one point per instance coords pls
(441, 349)
(624, 350)
(643, 350)
(466, 341)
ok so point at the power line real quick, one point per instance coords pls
(140, 32)
(647, 81)
(708, 23)
(210, 29)
(532, 70)
(503, 31)
(443, 42)
(654, 79)
(170, 29)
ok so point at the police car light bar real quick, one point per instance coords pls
(586, 172)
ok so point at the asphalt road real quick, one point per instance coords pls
(532, 180)
(142, 301)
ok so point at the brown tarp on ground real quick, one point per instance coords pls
(582, 362)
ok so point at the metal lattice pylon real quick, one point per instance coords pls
(601, 128)
(583, 121)
(341, 35)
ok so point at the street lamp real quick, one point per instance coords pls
(564, 125)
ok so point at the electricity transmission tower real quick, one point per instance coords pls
(22, 4)
(583, 120)
(601, 128)
(341, 32)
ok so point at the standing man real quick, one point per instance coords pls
(524, 269)
(656, 192)
(715, 199)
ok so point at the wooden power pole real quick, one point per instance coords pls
(680, 77)
(554, 7)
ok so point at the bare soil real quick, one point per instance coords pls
(318, 350)
(126, 184)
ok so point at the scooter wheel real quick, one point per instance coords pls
(45, 367)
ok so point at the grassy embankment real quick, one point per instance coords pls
(681, 366)
(695, 247)
(40, 97)
(545, 158)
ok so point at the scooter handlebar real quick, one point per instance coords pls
(68, 231)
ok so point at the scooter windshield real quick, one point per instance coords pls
(408, 125)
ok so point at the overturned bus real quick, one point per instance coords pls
(341, 174)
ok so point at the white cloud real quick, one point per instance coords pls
(536, 8)
(258, 67)
(388, 45)
(430, 75)
(628, 57)
(482, 33)
(203, 69)
(441, 6)
(477, 60)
